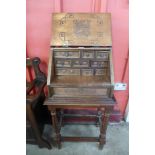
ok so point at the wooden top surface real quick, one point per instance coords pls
(79, 102)
(80, 81)
(81, 29)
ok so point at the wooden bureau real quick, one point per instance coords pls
(80, 70)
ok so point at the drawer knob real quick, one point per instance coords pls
(66, 54)
(84, 63)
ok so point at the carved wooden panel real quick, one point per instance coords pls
(81, 29)
(79, 91)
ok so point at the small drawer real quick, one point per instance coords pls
(99, 64)
(87, 72)
(102, 55)
(100, 72)
(88, 54)
(63, 63)
(67, 71)
(80, 63)
(75, 54)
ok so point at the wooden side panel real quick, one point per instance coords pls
(50, 74)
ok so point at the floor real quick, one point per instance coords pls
(117, 141)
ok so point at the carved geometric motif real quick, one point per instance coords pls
(81, 28)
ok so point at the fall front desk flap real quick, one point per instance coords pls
(81, 29)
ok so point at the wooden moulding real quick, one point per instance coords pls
(49, 68)
(78, 48)
(80, 91)
(111, 73)
(82, 102)
(50, 72)
(80, 139)
(111, 68)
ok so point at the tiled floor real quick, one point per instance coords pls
(117, 141)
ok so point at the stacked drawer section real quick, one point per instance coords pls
(81, 62)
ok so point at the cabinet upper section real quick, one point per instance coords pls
(81, 29)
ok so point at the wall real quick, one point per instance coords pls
(38, 31)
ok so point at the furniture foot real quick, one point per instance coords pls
(43, 143)
(62, 117)
(98, 118)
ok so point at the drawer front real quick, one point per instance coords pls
(75, 54)
(80, 63)
(101, 55)
(100, 72)
(88, 54)
(80, 91)
(67, 71)
(87, 72)
(99, 64)
(63, 63)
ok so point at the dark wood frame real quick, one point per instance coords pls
(68, 86)
(34, 102)
(104, 109)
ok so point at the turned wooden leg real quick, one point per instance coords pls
(103, 128)
(41, 142)
(62, 117)
(56, 128)
(98, 118)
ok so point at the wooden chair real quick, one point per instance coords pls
(36, 114)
